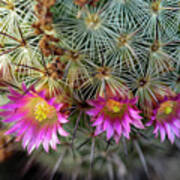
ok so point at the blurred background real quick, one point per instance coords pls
(164, 164)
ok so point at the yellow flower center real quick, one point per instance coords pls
(116, 109)
(168, 110)
(114, 106)
(166, 107)
(42, 111)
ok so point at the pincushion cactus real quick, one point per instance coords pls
(69, 65)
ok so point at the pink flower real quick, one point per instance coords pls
(35, 119)
(166, 118)
(115, 116)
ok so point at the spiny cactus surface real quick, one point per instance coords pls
(94, 83)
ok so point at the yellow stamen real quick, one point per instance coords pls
(116, 109)
(42, 111)
(168, 110)
(166, 107)
(114, 106)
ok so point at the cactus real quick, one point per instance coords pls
(95, 83)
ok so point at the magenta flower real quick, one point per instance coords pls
(166, 118)
(35, 120)
(115, 116)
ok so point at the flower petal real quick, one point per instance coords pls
(98, 121)
(162, 133)
(14, 117)
(93, 111)
(62, 132)
(110, 131)
(170, 134)
(62, 118)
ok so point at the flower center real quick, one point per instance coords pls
(166, 107)
(42, 111)
(114, 106)
(168, 110)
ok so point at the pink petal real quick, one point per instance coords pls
(27, 136)
(40, 137)
(10, 106)
(156, 129)
(106, 123)
(14, 117)
(62, 119)
(54, 141)
(31, 147)
(176, 130)
(25, 141)
(137, 123)
(62, 132)
(110, 131)
(134, 100)
(42, 94)
(93, 112)
(14, 93)
(98, 130)
(125, 124)
(149, 123)
(134, 114)
(153, 118)
(46, 145)
(117, 127)
(117, 138)
(169, 133)
(14, 129)
(177, 123)
(5, 113)
(24, 87)
(13, 98)
(58, 106)
(51, 101)
(23, 129)
(162, 133)
(99, 102)
(126, 134)
(46, 140)
(98, 121)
